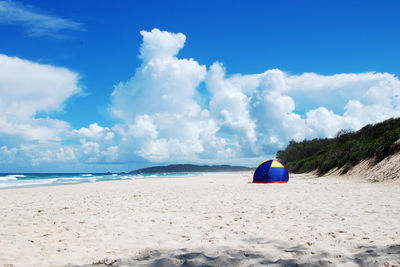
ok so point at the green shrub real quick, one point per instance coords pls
(344, 151)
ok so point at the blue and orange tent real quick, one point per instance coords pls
(271, 171)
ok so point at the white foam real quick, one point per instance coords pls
(11, 177)
(15, 180)
(26, 183)
(72, 178)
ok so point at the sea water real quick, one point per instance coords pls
(45, 179)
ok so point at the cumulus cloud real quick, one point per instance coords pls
(247, 115)
(7, 155)
(96, 132)
(163, 83)
(161, 119)
(230, 108)
(345, 101)
(27, 89)
(158, 103)
(36, 22)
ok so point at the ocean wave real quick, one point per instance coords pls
(34, 180)
(72, 178)
(27, 183)
(7, 178)
(11, 177)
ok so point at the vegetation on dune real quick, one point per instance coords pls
(345, 150)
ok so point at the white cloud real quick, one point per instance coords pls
(97, 144)
(144, 127)
(230, 109)
(161, 119)
(344, 101)
(27, 88)
(158, 102)
(160, 44)
(334, 91)
(30, 129)
(7, 155)
(94, 132)
(36, 22)
(163, 83)
(247, 115)
(65, 154)
(324, 122)
(259, 111)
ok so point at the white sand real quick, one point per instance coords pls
(220, 219)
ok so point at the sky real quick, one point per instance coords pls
(96, 86)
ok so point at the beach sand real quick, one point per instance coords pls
(216, 219)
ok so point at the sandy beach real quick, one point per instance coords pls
(216, 219)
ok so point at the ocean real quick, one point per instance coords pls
(47, 179)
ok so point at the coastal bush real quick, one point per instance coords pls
(344, 151)
(299, 150)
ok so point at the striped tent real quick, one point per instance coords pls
(271, 171)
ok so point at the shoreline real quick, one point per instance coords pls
(217, 218)
(73, 176)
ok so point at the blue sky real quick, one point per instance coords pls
(308, 68)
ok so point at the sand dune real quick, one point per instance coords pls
(387, 170)
(216, 219)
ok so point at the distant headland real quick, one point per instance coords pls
(191, 168)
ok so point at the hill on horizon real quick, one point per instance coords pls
(190, 168)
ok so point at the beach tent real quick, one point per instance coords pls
(271, 171)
